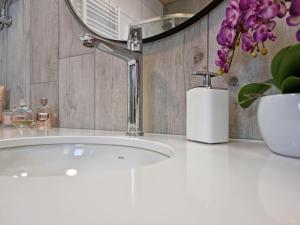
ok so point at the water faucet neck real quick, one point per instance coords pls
(135, 39)
(135, 84)
(134, 57)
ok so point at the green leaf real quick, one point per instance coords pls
(291, 85)
(286, 64)
(251, 92)
(277, 61)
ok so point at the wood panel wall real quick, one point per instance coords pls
(41, 56)
(18, 52)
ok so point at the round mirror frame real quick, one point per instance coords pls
(207, 9)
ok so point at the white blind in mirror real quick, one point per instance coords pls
(99, 15)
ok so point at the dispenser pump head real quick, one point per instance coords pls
(22, 102)
(206, 77)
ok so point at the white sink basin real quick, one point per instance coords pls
(71, 156)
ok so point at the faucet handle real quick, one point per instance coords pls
(135, 39)
(206, 77)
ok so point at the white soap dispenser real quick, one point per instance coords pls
(207, 112)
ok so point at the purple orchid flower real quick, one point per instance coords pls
(268, 10)
(226, 37)
(295, 8)
(294, 18)
(282, 10)
(247, 42)
(232, 17)
(261, 34)
(251, 23)
(234, 4)
(244, 5)
(223, 59)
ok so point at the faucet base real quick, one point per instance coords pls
(134, 134)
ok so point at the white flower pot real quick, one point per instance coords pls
(279, 123)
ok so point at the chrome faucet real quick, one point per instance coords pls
(133, 54)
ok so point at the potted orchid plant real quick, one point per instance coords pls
(249, 24)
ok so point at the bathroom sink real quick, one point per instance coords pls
(71, 156)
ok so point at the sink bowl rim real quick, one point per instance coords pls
(93, 140)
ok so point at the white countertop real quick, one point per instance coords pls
(240, 183)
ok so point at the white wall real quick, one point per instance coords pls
(134, 11)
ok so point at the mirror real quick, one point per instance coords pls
(158, 18)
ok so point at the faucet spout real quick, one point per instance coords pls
(134, 58)
(118, 50)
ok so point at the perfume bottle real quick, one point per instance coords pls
(43, 115)
(22, 116)
(6, 118)
(2, 98)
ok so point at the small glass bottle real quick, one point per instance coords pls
(22, 115)
(6, 118)
(43, 115)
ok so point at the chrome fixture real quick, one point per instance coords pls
(206, 77)
(133, 54)
(5, 19)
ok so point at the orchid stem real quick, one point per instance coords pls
(234, 48)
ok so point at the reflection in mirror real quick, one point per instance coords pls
(112, 18)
